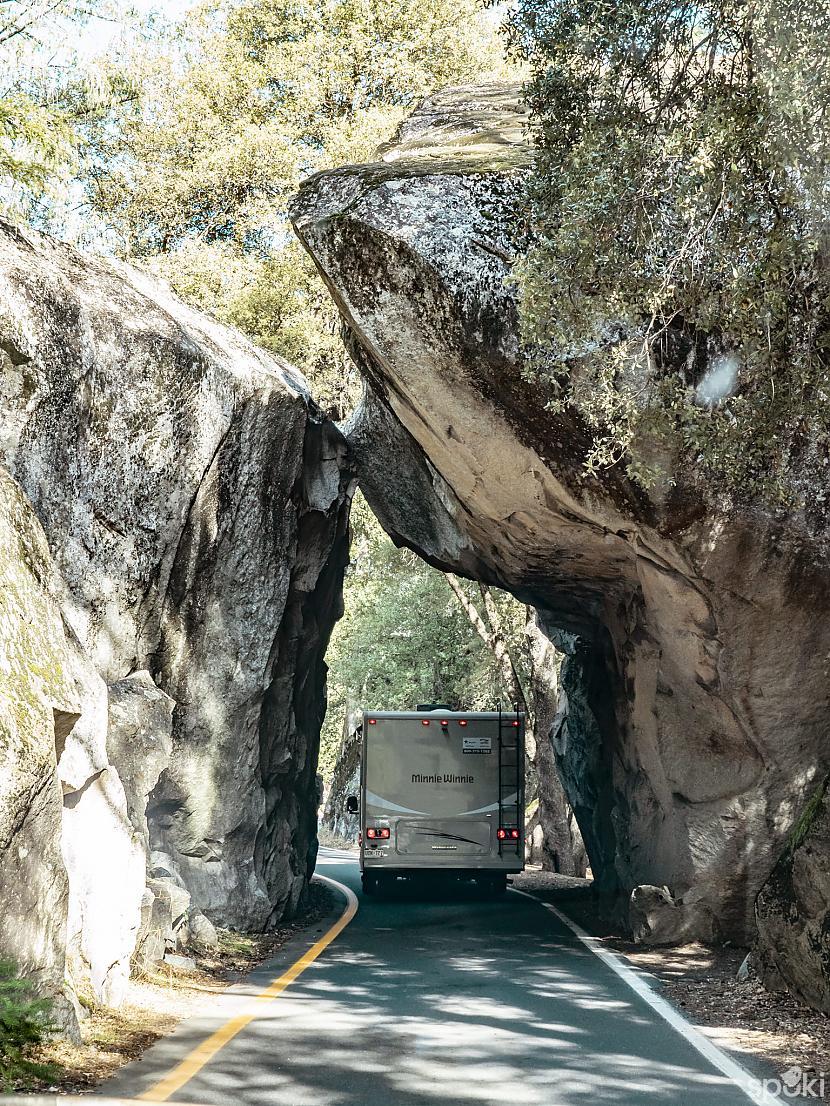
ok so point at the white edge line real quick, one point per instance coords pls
(751, 1086)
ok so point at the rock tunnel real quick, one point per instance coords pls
(173, 522)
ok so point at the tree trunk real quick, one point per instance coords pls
(562, 849)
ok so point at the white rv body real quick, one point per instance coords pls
(442, 792)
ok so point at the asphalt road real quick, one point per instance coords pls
(441, 1003)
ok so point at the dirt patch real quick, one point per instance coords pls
(770, 1033)
(158, 1000)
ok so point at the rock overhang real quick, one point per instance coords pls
(680, 777)
(416, 251)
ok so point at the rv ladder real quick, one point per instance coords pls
(511, 773)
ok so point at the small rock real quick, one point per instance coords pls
(202, 932)
(187, 963)
(745, 972)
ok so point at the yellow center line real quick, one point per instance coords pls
(193, 1063)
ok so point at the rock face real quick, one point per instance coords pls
(38, 708)
(792, 951)
(696, 677)
(195, 504)
(105, 857)
(139, 741)
(345, 781)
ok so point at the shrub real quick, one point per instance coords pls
(25, 1021)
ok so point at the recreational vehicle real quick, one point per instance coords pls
(441, 792)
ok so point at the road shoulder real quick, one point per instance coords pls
(769, 1034)
(161, 1001)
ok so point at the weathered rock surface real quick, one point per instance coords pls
(345, 781)
(195, 504)
(696, 681)
(203, 935)
(106, 862)
(105, 857)
(792, 950)
(38, 708)
(139, 741)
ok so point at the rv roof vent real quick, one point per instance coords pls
(432, 706)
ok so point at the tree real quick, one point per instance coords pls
(37, 136)
(25, 1022)
(195, 174)
(676, 296)
(527, 666)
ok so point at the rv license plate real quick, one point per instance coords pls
(373, 852)
(476, 744)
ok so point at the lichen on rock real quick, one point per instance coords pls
(38, 708)
(166, 635)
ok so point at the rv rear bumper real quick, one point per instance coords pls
(486, 867)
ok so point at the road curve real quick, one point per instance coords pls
(460, 1002)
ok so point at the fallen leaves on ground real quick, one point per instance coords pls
(157, 1000)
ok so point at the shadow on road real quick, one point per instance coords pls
(455, 1000)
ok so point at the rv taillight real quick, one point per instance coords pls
(506, 833)
(515, 722)
(373, 721)
(424, 721)
(514, 834)
(378, 833)
(384, 833)
(501, 834)
(462, 721)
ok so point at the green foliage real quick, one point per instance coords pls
(195, 172)
(24, 1024)
(404, 638)
(37, 138)
(34, 141)
(677, 295)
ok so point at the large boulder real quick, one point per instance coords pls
(697, 670)
(139, 741)
(38, 709)
(792, 950)
(195, 502)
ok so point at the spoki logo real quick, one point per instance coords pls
(797, 1083)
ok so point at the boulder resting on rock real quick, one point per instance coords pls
(696, 683)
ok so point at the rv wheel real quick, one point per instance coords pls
(369, 881)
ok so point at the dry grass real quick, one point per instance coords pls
(158, 1000)
(331, 840)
